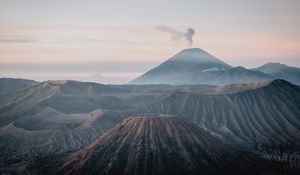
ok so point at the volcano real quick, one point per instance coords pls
(196, 66)
(150, 145)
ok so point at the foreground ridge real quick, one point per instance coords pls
(150, 145)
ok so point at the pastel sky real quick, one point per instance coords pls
(111, 41)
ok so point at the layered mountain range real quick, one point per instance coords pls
(196, 66)
(266, 114)
(191, 111)
(34, 127)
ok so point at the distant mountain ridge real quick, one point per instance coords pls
(9, 85)
(234, 75)
(234, 88)
(281, 71)
(196, 66)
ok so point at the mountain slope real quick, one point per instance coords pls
(47, 133)
(281, 71)
(47, 118)
(196, 66)
(48, 128)
(9, 85)
(59, 116)
(268, 114)
(150, 145)
(235, 88)
(64, 96)
(231, 76)
(179, 68)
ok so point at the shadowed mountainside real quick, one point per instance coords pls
(50, 118)
(49, 132)
(150, 145)
(9, 85)
(55, 117)
(268, 114)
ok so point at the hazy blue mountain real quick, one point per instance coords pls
(281, 71)
(196, 66)
(182, 67)
(234, 75)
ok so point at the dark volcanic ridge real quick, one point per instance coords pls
(268, 114)
(149, 145)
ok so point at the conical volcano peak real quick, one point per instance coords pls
(194, 49)
(186, 67)
(195, 55)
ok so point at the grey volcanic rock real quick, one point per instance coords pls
(31, 127)
(65, 96)
(55, 117)
(282, 71)
(268, 114)
(9, 85)
(149, 145)
(195, 66)
(49, 132)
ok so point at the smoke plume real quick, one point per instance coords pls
(179, 35)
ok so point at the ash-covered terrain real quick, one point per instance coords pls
(157, 144)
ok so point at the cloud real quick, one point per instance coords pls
(108, 66)
(175, 34)
(179, 35)
(97, 75)
(17, 40)
(8, 37)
